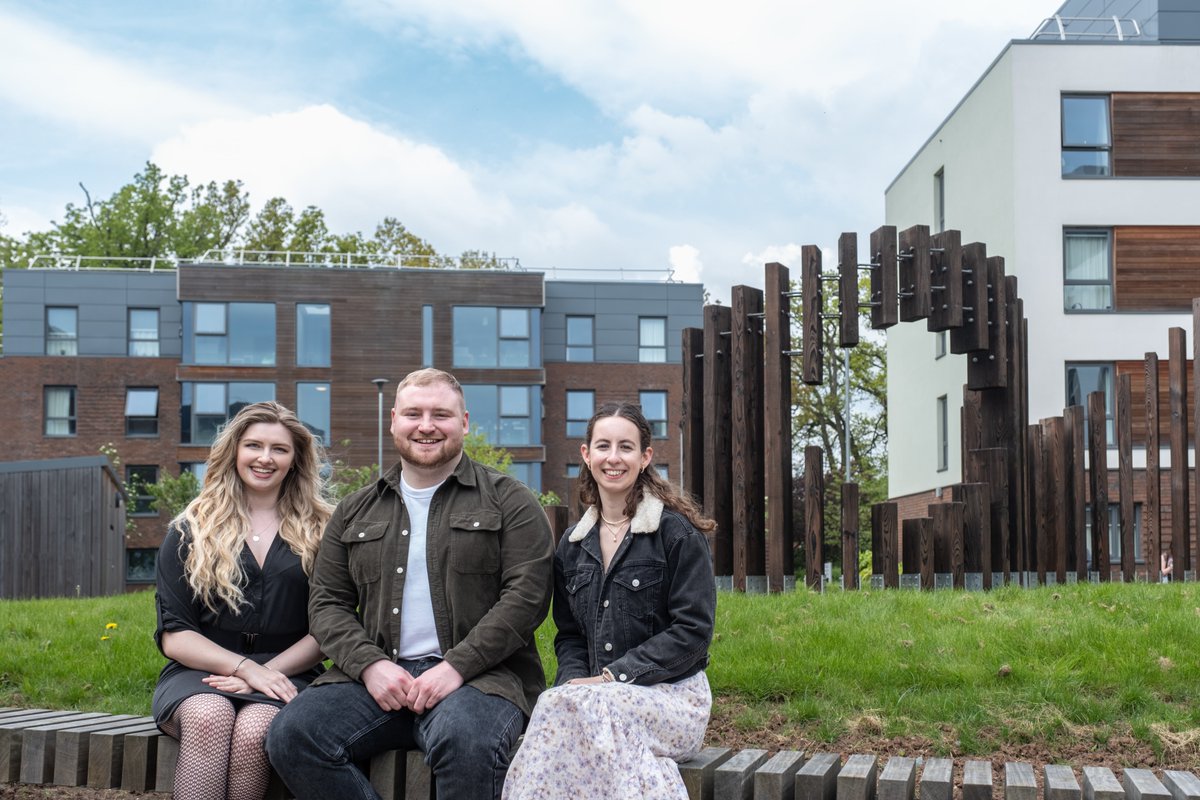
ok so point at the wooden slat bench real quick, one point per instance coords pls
(110, 751)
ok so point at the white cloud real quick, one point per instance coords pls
(685, 261)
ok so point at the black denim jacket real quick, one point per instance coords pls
(649, 619)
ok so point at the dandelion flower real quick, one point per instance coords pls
(105, 638)
(110, 626)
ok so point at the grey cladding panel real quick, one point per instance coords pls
(631, 290)
(1179, 26)
(85, 296)
(565, 289)
(92, 345)
(22, 345)
(573, 306)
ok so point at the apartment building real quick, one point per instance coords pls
(152, 362)
(1076, 157)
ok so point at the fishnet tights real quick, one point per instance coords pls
(221, 753)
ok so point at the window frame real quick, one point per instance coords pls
(645, 350)
(576, 427)
(188, 413)
(1110, 398)
(1109, 282)
(72, 339)
(145, 575)
(939, 200)
(325, 437)
(302, 339)
(143, 499)
(135, 343)
(943, 433)
(72, 418)
(132, 420)
(1078, 147)
(577, 351)
(656, 421)
(229, 338)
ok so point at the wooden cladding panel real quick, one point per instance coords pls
(1156, 135)
(1156, 268)
(1136, 370)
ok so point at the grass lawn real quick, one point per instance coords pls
(1068, 669)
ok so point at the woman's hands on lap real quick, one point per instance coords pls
(257, 678)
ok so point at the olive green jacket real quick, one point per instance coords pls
(490, 557)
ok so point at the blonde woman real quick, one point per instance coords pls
(232, 598)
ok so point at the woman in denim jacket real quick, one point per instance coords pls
(634, 603)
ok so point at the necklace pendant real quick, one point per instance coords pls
(255, 537)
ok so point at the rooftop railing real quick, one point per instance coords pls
(1077, 28)
(291, 258)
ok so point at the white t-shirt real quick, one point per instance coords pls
(418, 632)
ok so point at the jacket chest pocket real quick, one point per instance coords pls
(578, 585)
(475, 542)
(638, 588)
(364, 550)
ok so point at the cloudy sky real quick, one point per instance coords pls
(572, 134)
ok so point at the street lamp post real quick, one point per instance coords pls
(379, 384)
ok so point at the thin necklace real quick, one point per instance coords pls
(257, 535)
(614, 528)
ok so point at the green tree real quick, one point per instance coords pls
(481, 451)
(819, 418)
(172, 494)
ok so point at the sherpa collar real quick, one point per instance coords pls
(646, 520)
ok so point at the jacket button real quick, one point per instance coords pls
(399, 570)
(475, 524)
(606, 604)
(395, 652)
(622, 677)
(608, 646)
(636, 583)
(404, 533)
(361, 534)
(395, 611)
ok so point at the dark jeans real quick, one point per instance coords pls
(316, 740)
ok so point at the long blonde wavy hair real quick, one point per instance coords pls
(218, 520)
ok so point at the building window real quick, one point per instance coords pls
(939, 201)
(60, 411)
(312, 407)
(197, 468)
(528, 473)
(943, 433)
(312, 334)
(572, 471)
(1114, 533)
(496, 337)
(140, 563)
(426, 336)
(580, 407)
(505, 414)
(654, 407)
(1082, 380)
(62, 331)
(141, 412)
(205, 407)
(663, 472)
(143, 332)
(137, 479)
(1086, 144)
(239, 334)
(939, 345)
(581, 338)
(652, 339)
(1087, 269)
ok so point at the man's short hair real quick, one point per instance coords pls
(428, 377)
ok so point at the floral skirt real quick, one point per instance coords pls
(610, 740)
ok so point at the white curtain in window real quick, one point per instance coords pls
(1087, 258)
(58, 412)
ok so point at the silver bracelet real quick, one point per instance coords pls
(239, 666)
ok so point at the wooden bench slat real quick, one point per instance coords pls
(1059, 783)
(856, 781)
(1099, 783)
(698, 771)
(936, 779)
(776, 779)
(898, 781)
(977, 780)
(1181, 785)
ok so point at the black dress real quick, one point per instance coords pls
(274, 618)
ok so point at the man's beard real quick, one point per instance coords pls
(413, 454)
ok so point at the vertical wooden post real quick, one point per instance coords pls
(945, 281)
(1152, 510)
(748, 491)
(848, 289)
(693, 412)
(914, 273)
(973, 337)
(990, 466)
(885, 531)
(849, 535)
(1125, 475)
(1017, 414)
(910, 546)
(947, 523)
(977, 529)
(926, 551)
(1195, 390)
(1098, 458)
(989, 369)
(1042, 528)
(812, 298)
(1077, 493)
(884, 308)
(718, 468)
(814, 515)
(1181, 515)
(1055, 481)
(777, 419)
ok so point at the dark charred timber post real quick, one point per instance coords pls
(848, 290)
(814, 515)
(945, 281)
(884, 302)
(718, 472)
(849, 535)
(1018, 414)
(885, 531)
(1152, 511)
(947, 523)
(1125, 474)
(693, 412)
(925, 553)
(910, 545)
(748, 485)
(977, 529)
(1098, 458)
(989, 465)
(1195, 432)
(1073, 418)
(988, 369)
(1181, 537)
(1042, 527)
(1054, 481)
(777, 417)
(812, 298)
(913, 256)
(973, 335)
